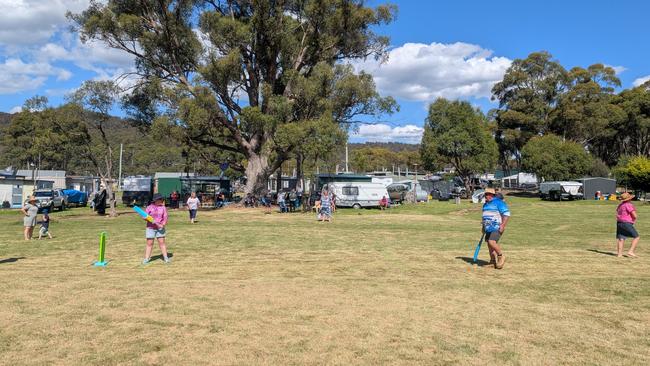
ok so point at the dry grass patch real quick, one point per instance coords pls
(369, 288)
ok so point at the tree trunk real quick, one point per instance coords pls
(299, 174)
(278, 182)
(111, 197)
(257, 174)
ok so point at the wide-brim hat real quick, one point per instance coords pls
(158, 197)
(32, 199)
(627, 197)
(490, 191)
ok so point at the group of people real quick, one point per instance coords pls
(494, 220)
(289, 201)
(496, 215)
(30, 212)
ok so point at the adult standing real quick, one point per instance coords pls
(625, 219)
(495, 218)
(30, 210)
(193, 206)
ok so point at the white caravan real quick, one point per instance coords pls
(358, 194)
(557, 191)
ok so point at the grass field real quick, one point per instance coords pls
(371, 288)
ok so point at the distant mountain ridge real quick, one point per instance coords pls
(5, 119)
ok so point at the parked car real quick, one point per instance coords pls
(51, 199)
(358, 194)
(447, 189)
(397, 192)
(557, 191)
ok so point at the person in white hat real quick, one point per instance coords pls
(494, 220)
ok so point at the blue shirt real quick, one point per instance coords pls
(492, 212)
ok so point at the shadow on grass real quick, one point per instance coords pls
(602, 252)
(11, 260)
(470, 260)
(159, 257)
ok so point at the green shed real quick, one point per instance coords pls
(166, 183)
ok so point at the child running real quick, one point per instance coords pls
(325, 206)
(625, 219)
(193, 205)
(45, 226)
(156, 229)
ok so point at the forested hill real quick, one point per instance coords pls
(5, 118)
(392, 146)
(120, 127)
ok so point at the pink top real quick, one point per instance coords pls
(624, 212)
(159, 214)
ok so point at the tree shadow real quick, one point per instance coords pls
(602, 252)
(160, 257)
(11, 260)
(470, 260)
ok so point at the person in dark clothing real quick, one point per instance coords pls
(100, 202)
(174, 199)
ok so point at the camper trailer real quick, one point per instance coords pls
(557, 191)
(358, 194)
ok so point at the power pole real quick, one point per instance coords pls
(346, 158)
(119, 179)
(415, 183)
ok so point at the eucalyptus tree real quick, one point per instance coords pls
(250, 77)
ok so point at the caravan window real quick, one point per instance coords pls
(350, 191)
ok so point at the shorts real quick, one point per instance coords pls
(43, 230)
(152, 233)
(625, 230)
(192, 214)
(495, 235)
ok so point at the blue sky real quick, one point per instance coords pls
(453, 49)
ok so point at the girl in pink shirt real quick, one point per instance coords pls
(625, 219)
(156, 229)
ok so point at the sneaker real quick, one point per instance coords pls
(501, 259)
(167, 260)
(145, 261)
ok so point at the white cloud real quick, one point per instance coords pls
(422, 72)
(617, 69)
(640, 81)
(16, 109)
(17, 76)
(30, 22)
(384, 133)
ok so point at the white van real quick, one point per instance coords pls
(358, 194)
(557, 191)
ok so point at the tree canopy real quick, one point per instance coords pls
(634, 172)
(457, 134)
(246, 76)
(551, 158)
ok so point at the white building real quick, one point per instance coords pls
(56, 176)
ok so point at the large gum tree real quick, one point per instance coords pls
(253, 78)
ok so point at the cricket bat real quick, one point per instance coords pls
(478, 248)
(143, 214)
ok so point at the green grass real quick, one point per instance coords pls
(369, 288)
